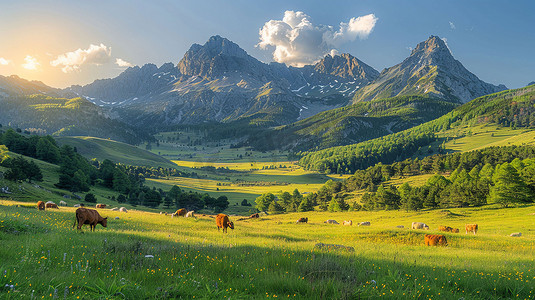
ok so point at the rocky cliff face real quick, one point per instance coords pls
(430, 69)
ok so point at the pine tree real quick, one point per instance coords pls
(508, 187)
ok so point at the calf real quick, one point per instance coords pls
(190, 214)
(101, 205)
(254, 216)
(348, 223)
(365, 224)
(448, 229)
(40, 205)
(302, 220)
(435, 240)
(471, 228)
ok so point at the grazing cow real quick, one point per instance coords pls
(400, 226)
(516, 234)
(302, 220)
(89, 216)
(115, 209)
(62, 203)
(471, 228)
(365, 224)
(51, 205)
(123, 209)
(418, 225)
(348, 223)
(448, 229)
(180, 213)
(222, 221)
(190, 214)
(40, 205)
(101, 205)
(330, 221)
(254, 216)
(435, 240)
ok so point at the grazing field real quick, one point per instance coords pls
(148, 255)
(101, 149)
(478, 137)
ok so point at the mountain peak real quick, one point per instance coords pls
(217, 56)
(432, 47)
(345, 65)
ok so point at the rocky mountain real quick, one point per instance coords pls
(220, 82)
(432, 70)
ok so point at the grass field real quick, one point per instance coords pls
(43, 257)
(478, 137)
(92, 147)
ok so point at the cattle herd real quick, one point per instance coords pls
(93, 218)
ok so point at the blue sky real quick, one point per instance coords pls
(493, 39)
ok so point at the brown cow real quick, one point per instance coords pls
(40, 205)
(89, 216)
(222, 221)
(180, 213)
(435, 240)
(302, 220)
(101, 205)
(448, 229)
(254, 216)
(471, 228)
(51, 205)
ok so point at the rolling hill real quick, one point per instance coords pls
(101, 149)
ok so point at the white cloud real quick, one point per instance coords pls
(452, 26)
(71, 61)
(122, 63)
(4, 62)
(298, 41)
(30, 63)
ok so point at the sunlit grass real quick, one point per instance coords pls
(42, 256)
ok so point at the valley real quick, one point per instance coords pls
(209, 165)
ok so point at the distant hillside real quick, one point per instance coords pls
(512, 108)
(352, 124)
(429, 70)
(101, 149)
(65, 117)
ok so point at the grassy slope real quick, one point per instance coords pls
(353, 123)
(46, 191)
(92, 147)
(271, 257)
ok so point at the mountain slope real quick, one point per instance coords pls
(432, 70)
(352, 124)
(511, 108)
(101, 149)
(61, 116)
(16, 86)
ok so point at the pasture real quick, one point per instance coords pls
(148, 255)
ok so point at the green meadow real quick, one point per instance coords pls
(148, 255)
